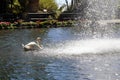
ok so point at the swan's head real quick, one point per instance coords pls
(38, 39)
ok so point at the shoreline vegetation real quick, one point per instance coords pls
(25, 14)
(21, 24)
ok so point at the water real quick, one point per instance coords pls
(102, 9)
(97, 9)
(93, 14)
(66, 56)
(89, 51)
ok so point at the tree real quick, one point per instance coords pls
(67, 4)
(15, 7)
(73, 5)
(36, 5)
(76, 5)
(33, 5)
(3, 6)
(49, 5)
(29, 5)
(23, 4)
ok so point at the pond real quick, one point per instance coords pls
(66, 55)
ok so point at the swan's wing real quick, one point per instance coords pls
(26, 47)
(32, 43)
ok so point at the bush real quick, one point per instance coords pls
(4, 25)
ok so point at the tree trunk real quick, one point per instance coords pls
(67, 4)
(33, 5)
(3, 6)
(23, 4)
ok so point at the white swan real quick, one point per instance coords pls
(32, 45)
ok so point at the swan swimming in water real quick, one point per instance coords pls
(32, 45)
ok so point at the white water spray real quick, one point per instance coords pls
(101, 37)
(89, 46)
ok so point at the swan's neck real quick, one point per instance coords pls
(38, 42)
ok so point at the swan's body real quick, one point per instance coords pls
(32, 45)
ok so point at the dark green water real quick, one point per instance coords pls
(65, 56)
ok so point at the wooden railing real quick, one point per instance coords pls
(38, 16)
(68, 16)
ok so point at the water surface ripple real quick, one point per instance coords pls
(66, 56)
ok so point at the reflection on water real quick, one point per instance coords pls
(62, 58)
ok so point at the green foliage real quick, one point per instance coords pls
(50, 5)
(15, 7)
(23, 4)
(59, 11)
